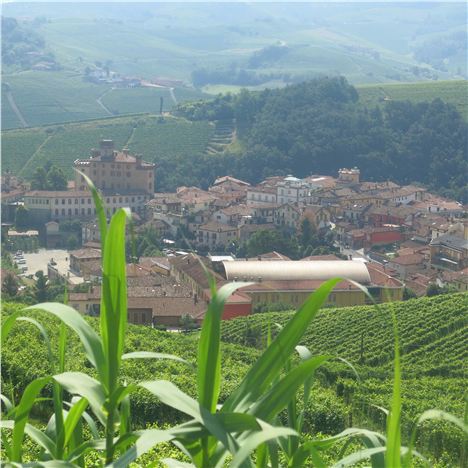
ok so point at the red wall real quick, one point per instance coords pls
(385, 237)
(236, 310)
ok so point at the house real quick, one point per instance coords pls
(53, 235)
(450, 251)
(407, 264)
(233, 215)
(261, 195)
(82, 257)
(147, 305)
(230, 188)
(214, 234)
(245, 231)
(293, 190)
(288, 216)
(369, 237)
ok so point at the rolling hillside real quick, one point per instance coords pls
(364, 335)
(453, 92)
(433, 335)
(157, 139)
(44, 98)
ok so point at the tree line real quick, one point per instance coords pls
(321, 125)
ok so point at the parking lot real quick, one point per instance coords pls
(39, 260)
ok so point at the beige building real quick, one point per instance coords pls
(116, 172)
(45, 205)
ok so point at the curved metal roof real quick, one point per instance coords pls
(296, 270)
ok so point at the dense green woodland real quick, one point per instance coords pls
(434, 355)
(321, 125)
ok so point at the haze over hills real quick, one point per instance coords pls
(53, 47)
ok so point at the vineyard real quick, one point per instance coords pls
(433, 336)
(452, 92)
(18, 146)
(137, 100)
(24, 357)
(155, 138)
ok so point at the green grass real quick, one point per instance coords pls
(133, 100)
(18, 146)
(9, 117)
(170, 138)
(452, 92)
(75, 141)
(53, 97)
(431, 334)
(155, 140)
(434, 354)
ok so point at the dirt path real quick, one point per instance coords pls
(98, 100)
(16, 110)
(174, 99)
(34, 154)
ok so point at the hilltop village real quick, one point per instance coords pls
(398, 241)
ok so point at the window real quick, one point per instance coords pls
(63, 201)
(76, 201)
(56, 201)
(63, 211)
(69, 201)
(77, 211)
(89, 211)
(56, 212)
(120, 199)
(69, 211)
(89, 201)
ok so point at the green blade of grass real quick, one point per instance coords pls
(270, 364)
(209, 359)
(85, 386)
(114, 297)
(393, 452)
(73, 417)
(22, 414)
(278, 397)
(100, 209)
(88, 337)
(253, 439)
(152, 355)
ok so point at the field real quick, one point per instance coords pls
(433, 336)
(170, 138)
(45, 98)
(157, 140)
(453, 92)
(24, 357)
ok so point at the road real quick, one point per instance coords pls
(16, 110)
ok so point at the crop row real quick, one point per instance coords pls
(365, 334)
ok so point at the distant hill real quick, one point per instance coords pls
(453, 92)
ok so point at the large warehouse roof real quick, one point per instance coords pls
(296, 270)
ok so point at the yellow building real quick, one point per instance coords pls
(291, 282)
(115, 172)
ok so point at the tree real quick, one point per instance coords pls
(264, 241)
(187, 322)
(72, 242)
(10, 285)
(40, 288)
(39, 179)
(56, 179)
(22, 218)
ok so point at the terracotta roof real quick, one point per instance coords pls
(380, 277)
(86, 253)
(58, 193)
(213, 226)
(410, 259)
(221, 180)
(191, 266)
